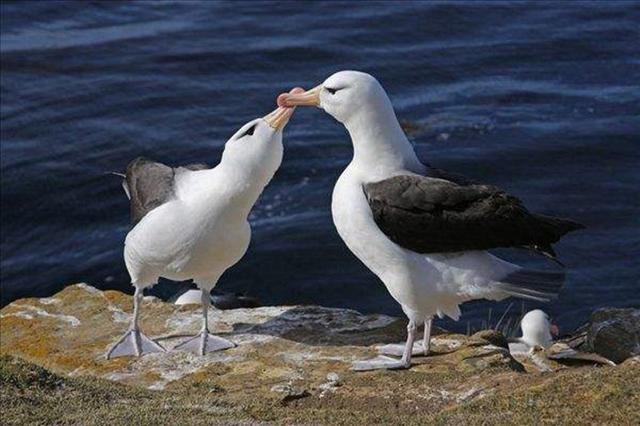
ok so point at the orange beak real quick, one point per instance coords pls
(279, 117)
(308, 98)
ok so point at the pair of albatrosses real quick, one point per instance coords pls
(424, 232)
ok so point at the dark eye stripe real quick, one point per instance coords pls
(332, 91)
(250, 131)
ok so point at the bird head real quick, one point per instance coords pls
(257, 146)
(359, 102)
(343, 95)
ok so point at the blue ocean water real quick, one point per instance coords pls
(542, 99)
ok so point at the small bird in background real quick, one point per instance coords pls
(537, 331)
(191, 222)
(537, 344)
(424, 232)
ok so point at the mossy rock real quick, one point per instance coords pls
(291, 366)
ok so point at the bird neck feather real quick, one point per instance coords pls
(379, 142)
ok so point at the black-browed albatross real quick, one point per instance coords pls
(191, 222)
(424, 232)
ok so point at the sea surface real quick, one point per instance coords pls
(542, 99)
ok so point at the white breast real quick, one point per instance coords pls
(394, 265)
(423, 285)
(189, 237)
(354, 222)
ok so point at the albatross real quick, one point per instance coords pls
(537, 330)
(423, 231)
(190, 223)
(537, 344)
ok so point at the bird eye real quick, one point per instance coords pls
(332, 91)
(249, 131)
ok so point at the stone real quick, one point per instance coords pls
(290, 392)
(614, 333)
(333, 377)
(491, 337)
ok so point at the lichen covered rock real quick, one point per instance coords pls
(72, 331)
(292, 364)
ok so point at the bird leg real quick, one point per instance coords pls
(205, 342)
(408, 349)
(385, 362)
(134, 342)
(426, 340)
(419, 348)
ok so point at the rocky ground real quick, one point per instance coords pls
(291, 366)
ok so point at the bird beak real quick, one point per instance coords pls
(555, 330)
(308, 98)
(279, 117)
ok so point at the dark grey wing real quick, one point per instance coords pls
(149, 185)
(434, 215)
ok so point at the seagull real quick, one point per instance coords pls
(423, 231)
(190, 223)
(537, 331)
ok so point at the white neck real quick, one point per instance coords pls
(247, 186)
(379, 142)
(228, 186)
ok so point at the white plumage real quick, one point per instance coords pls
(423, 284)
(536, 331)
(194, 222)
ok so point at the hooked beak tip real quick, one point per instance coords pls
(298, 98)
(279, 117)
(282, 100)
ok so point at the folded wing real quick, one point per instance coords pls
(436, 215)
(149, 184)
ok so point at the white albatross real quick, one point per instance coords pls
(422, 231)
(191, 222)
(537, 344)
(537, 330)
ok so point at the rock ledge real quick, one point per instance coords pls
(292, 364)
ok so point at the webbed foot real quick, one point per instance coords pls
(380, 362)
(204, 343)
(134, 343)
(397, 349)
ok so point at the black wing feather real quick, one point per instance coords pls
(435, 215)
